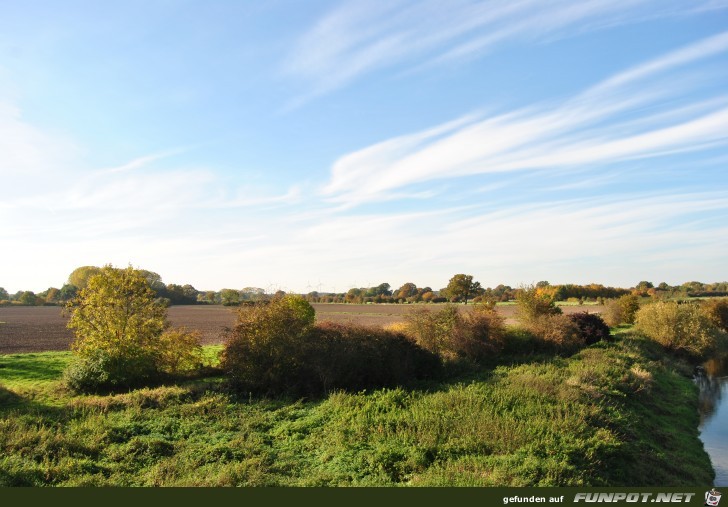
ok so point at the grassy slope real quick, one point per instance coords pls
(615, 414)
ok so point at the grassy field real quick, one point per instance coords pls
(615, 414)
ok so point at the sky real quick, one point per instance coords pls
(327, 145)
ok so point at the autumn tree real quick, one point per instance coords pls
(534, 303)
(463, 287)
(119, 327)
(406, 291)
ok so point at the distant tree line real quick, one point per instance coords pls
(461, 288)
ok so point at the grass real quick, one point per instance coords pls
(615, 414)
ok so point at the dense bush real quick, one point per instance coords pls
(592, 327)
(265, 350)
(104, 369)
(556, 333)
(120, 334)
(621, 310)
(451, 334)
(346, 356)
(179, 351)
(717, 311)
(682, 328)
(275, 348)
(534, 304)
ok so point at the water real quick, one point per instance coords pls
(713, 383)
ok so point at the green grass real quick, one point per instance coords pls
(614, 414)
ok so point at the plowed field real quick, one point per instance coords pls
(43, 328)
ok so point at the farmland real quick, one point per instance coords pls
(43, 328)
(529, 413)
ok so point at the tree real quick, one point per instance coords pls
(80, 276)
(68, 292)
(406, 291)
(52, 295)
(190, 292)
(383, 289)
(462, 287)
(230, 297)
(4, 294)
(354, 295)
(28, 298)
(154, 280)
(119, 327)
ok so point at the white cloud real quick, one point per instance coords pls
(30, 158)
(362, 37)
(635, 114)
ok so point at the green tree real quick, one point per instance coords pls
(644, 285)
(80, 276)
(463, 287)
(68, 292)
(230, 297)
(4, 294)
(28, 298)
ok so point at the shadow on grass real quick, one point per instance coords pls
(34, 367)
(12, 403)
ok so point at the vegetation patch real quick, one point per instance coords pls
(616, 413)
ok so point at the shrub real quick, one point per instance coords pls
(622, 310)
(351, 357)
(717, 312)
(478, 335)
(534, 304)
(106, 370)
(450, 334)
(264, 351)
(119, 334)
(432, 330)
(592, 327)
(179, 351)
(275, 348)
(556, 333)
(682, 328)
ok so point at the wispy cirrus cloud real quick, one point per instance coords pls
(650, 110)
(362, 37)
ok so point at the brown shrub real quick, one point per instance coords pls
(275, 349)
(454, 335)
(556, 333)
(717, 311)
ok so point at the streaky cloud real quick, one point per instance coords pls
(638, 113)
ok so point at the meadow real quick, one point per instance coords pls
(616, 413)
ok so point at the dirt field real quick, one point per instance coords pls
(42, 328)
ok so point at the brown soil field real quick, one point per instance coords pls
(43, 328)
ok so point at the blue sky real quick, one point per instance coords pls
(327, 145)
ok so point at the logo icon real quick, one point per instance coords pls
(712, 498)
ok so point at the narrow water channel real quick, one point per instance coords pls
(713, 383)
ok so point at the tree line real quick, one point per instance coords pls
(461, 288)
